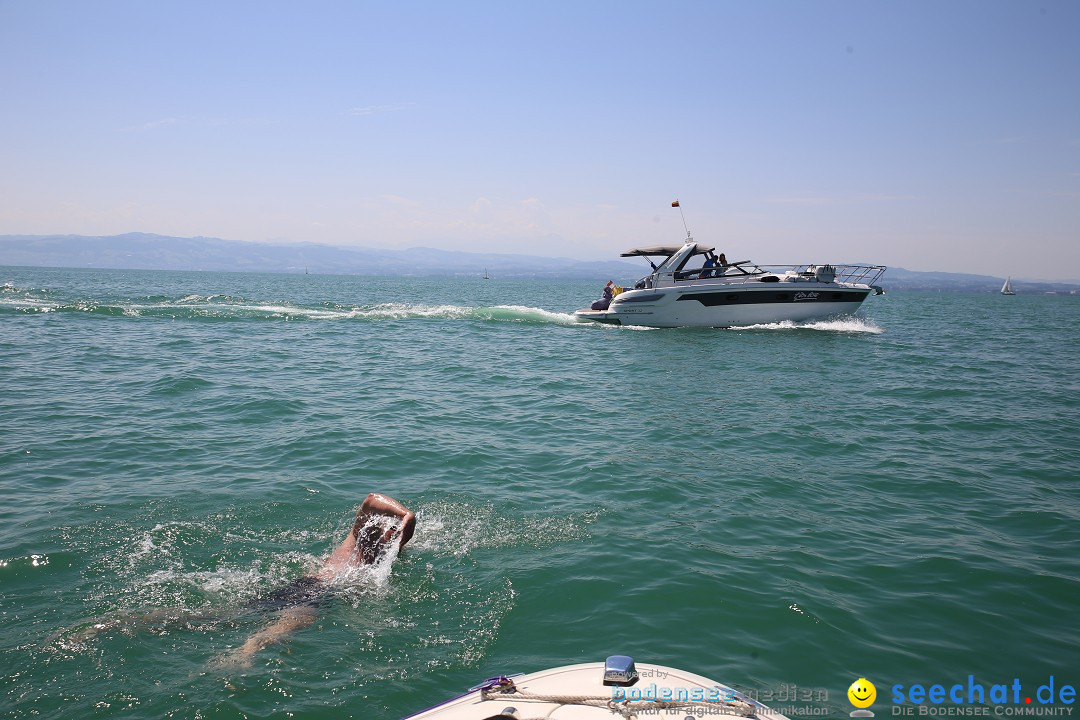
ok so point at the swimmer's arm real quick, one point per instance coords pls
(408, 523)
(386, 505)
(340, 558)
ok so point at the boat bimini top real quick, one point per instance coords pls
(664, 250)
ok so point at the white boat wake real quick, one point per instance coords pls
(844, 325)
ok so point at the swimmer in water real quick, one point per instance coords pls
(380, 522)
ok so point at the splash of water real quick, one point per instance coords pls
(371, 575)
(458, 529)
(844, 325)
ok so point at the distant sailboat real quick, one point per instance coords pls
(1006, 289)
(486, 276)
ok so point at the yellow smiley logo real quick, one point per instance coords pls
(862, 693)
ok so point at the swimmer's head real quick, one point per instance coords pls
(374, 533)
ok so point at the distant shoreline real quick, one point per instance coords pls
(144, 251)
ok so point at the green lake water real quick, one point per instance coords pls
(893, 496)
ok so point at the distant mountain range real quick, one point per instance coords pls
(896, 278)
(158, 252)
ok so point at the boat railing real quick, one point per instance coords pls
(853, 274)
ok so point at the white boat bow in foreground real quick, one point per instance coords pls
(595, 691)
(685, 291)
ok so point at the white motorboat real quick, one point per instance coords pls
(684, 290)
(595, 691)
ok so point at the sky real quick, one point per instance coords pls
(922, 134)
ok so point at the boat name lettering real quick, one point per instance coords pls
(805, 296)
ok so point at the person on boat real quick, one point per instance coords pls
(380, 522)
(605, 299)
(721, 265)
(706, 269)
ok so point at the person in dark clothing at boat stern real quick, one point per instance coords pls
(605, 299)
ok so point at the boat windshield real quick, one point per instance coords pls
(676, 261)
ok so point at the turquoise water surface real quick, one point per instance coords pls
(893, 496)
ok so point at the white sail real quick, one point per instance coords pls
(1006, 289)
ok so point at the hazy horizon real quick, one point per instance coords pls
(927, 136)
(224, 255)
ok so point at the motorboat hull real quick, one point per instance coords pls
(722, 307)
(577, 692)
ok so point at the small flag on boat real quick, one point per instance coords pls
(675, 203)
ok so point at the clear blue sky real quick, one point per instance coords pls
(929, 135)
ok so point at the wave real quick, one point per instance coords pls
(519, 313)
(844, 325)
(224, 307)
